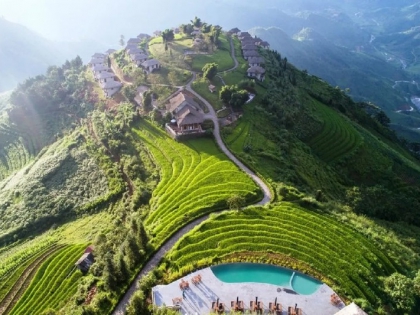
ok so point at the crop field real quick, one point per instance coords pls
(301, 239)
(337, 138)
(53, 284)
(16, 149)
(195, 179)
(221, 56)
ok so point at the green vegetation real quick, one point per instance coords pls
(222, 56)
(196, 178)
(55, 282)
(313, 243)
(337, 138)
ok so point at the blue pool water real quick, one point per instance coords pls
(263, 273)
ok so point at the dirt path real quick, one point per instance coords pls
(154, 261)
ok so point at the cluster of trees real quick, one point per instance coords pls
(117, 256)
(403, 291)
(210, 70)
(233, 96)
(211, 31)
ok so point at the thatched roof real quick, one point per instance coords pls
(351, 309)
(150, 63)
(189, 115)
(251, 53)
(256, 60)
(180, 100)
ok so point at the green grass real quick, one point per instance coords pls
(53, 284)
(337, 138)
(202, 87)
(195, 179)
(307, 241)
(221, 56)
(174, 56)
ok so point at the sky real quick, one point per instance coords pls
(106, 20)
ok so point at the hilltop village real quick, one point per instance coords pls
(187, 116)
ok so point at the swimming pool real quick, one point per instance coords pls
(263, 273)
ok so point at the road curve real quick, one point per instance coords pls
(154, 261)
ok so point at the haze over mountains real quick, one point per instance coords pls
(370, 47)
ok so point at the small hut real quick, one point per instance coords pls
(212, 88)
(86, 260)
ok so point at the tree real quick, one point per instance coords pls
(137, 304)
(187, 29)
(235, 202)
(225, 93)
(168, 35)
(238, 98)
(401, 291)
(147, 100)
(122, 41)
(121, 268)
(382, 118)
(131, 250)
(210, 70)
(196, 22)
(129, 91)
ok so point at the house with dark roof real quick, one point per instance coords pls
(249, 47)
(256, 72)
(105, 76)
(96, 61)
(234, 31)
(250, 53)
(138, 59)
(134, 50)
(150, 65)
(143, 36)
(111, 87)
(133, 41)
(98, 69)
(98, 55)
(187, 115)
(86, 260)
(256, 61)
(263, 44)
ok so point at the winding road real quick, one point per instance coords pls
(155, 259)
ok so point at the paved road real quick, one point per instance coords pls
(154, 261)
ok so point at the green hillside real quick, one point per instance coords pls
(78, 169)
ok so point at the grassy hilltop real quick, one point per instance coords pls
(78, 169)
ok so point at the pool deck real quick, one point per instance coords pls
(198, 298)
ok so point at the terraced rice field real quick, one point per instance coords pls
(16, 149)
(345, 257)
(53, 284)
(195, 179)
(237, 139)
(338, 137)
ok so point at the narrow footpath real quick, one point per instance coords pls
(154, 261)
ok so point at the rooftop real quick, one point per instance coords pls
(149, 63)
(111, 84)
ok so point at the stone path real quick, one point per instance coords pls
(154, 261)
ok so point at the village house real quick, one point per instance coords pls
(250, 54)
(134, 51)
(150, 65)
(110, 51)
(234, 31)
(87, 259)
(138, 59)
(105, 76)
(157, 33)
(111, 87)
(98, 55)
(130, 46)
(133, 41)
(186, 113)
(98, 69)
(263, 44)
(256, 72)
(143, 36)
(249, 47)
(96, 61)
(256, 61)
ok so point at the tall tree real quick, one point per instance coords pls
(210, 70)
(168, 35)
(196, 22)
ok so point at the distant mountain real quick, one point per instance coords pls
(24, 53)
